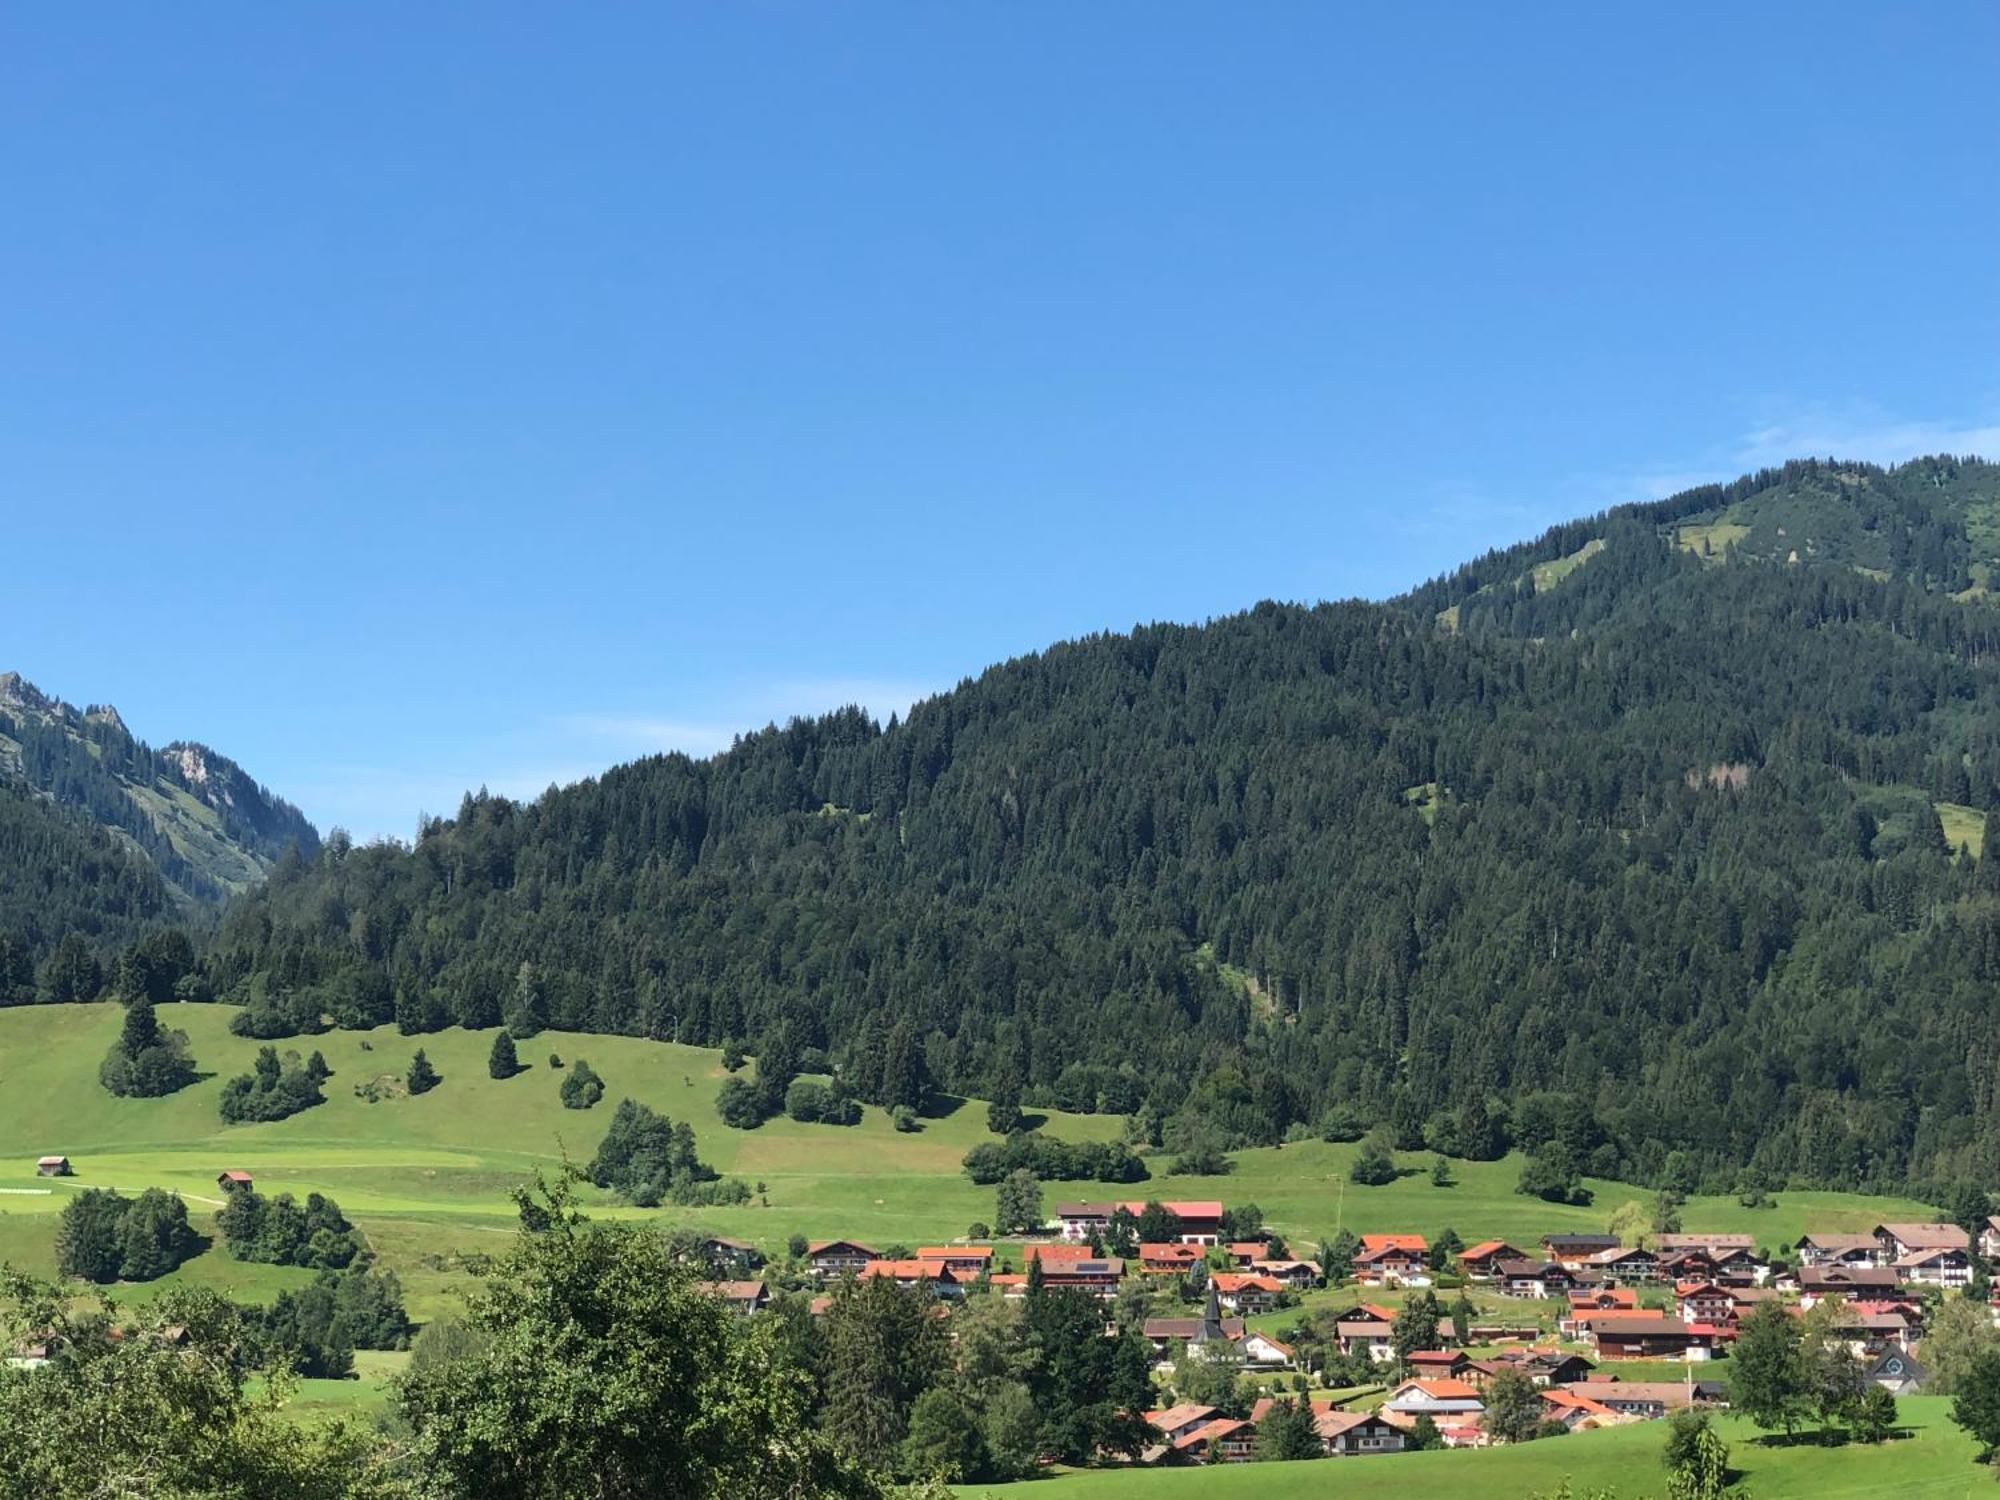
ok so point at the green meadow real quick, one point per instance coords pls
(1933, 1460)
(428, 1178)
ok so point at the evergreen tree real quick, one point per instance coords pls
(422, 1077)
(502, 1061)
(1286, 1432)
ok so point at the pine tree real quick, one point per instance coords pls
(422, 1077)
(502, 1063)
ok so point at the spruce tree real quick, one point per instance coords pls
(502, 1063)
(422, 1077)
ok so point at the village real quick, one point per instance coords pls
(1586, 1319)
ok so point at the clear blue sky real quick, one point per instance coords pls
(403, 397)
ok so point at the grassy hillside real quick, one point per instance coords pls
(428, 1178)
(1934, 1461)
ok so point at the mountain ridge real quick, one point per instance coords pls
(205, 825)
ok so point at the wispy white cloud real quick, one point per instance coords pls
(1855, 431)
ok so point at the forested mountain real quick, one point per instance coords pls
(101, 834)
(1632, 839)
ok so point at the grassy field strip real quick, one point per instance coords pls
(1934, 1462)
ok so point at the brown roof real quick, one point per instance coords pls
(1630, 1327)
(1927, 1236)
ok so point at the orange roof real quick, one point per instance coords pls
(1169, 1250)
(903, 1268)
(1484, 1248)
(1378, 1242)
(1057, 1251)
(1251, 1248)
(1557, 1396)
(1227, 1281)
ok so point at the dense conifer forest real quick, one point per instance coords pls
(1629, 842)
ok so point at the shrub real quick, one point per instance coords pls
(272, 1090)
(649, 1159)
(279, 1232)
(581, 1087)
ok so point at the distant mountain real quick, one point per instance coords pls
(107, 811)
(1651, 845)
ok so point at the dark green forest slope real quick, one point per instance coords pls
(1647, 814)
(101, 834)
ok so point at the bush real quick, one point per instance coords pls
(270, 1017)
(906, 1119)
(1053, 1160)
(581, 1087)
(272, 1090)
(278, 1232)
(739, 1104)
(1373, 1166)
(650, 1160)
(103, 1236)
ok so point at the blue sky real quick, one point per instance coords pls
(408, 397)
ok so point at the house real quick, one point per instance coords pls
(54, 1166)
(1224, 1440)
(1837, 1250)
(1989, 1238)
(1901, 1241)
(34, 1352)
(1647, 1398)
(1571, 1250)
(233, 1179)
(1451, 1363)
(966, 1262)
(1242, 1253)
(1079, 1221)
(721, 1250)
(1946, 1266)
(1595, 1302)
(1715, 1244)
(1363, 1336)
(1548, 1367)
(745, 1297)
(1099, 1276)
(1716, 1302)
(1870, 1331)
(1481, 1261)
(1576, 1413)
(1629, 1337)
(1393, 1260)
(1437, 1399)
(1688, 1265)
(1259, 1351)
(1060, 1251)
(1349, 1433)
(1533, 1278)
(1298, 1275)
(1624, 1263)
(1820, 1281)
(1343, 1433)
(838, 1257)
(1176, 1422)
(1243, 1293)
(1201, 1219)
(929, 1274)
(1897, 1372)
(1157, 1259)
